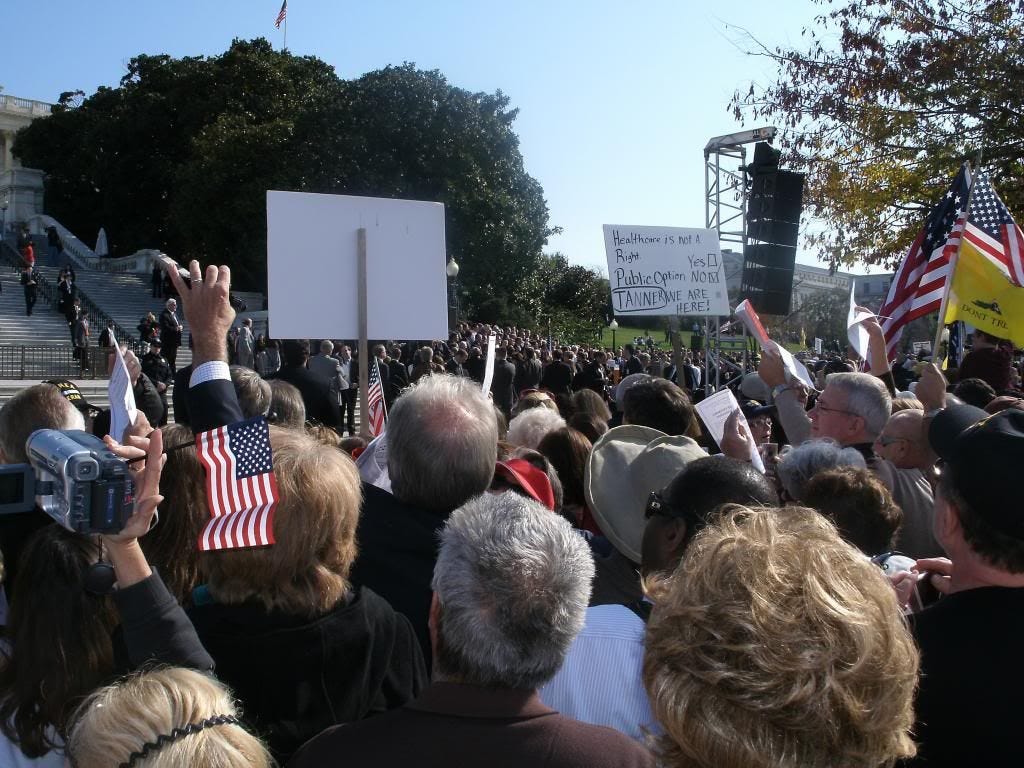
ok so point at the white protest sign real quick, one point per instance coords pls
(819, 346)
(122, 398)
(715, 411)
(312, 267)
(746, 314)
(665, 271)
(489, 366)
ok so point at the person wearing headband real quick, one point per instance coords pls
(166, 717)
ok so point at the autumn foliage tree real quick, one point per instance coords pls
(883, 102)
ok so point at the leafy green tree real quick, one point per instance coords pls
(576, 300)
(181, 154)
(883, 102)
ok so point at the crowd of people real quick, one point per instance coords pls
(565, 571)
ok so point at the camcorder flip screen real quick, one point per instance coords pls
(17, 489)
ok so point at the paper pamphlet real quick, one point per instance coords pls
(489, 367)
(715, 411)
(746, 314)
(122, 398)
(856, 332)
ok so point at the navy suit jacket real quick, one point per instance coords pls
(213, 404)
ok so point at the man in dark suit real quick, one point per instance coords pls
(502, 383)
(592, 375)
(482, 708)
(170, 332)
(557, 376)
(316, 393)
(633, 364)
(529, 373)
(398, 375)
(30, 282)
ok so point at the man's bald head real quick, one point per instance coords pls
(903, 441)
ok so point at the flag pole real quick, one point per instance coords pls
(285, 34)
(953, 260)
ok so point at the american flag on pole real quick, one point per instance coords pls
(923, 277)
(282, 14)
(378, 411)
(240, 485)
(992, 230)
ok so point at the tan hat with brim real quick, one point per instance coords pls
(627, 463)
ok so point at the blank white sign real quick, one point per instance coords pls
(312, 267)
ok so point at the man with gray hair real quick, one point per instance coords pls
(511, 587)
(442, 446)
(853, 410)
(327, 368)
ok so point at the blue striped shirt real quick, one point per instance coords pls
(600, 681)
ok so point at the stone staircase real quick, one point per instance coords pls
(42, 342)
(125, 298)
(44, 328)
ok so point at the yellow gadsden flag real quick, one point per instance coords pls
(983, 296)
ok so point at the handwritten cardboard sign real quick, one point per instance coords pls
(665, 271)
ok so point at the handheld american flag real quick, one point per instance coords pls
(240, 485)
(282, 14)
(378, 411)
(923, 277)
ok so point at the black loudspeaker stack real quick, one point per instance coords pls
(773, 223)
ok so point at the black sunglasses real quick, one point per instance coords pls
(656, 505)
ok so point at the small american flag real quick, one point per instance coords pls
(282, 14)
(240, 485)
(992, 230)
(923, 278)
(378, 411)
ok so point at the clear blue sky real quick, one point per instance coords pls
(616, 100)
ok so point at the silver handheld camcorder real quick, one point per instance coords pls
(73, 477)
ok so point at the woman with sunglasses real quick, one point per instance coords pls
(61, 641)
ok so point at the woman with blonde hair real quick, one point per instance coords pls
(776, 644)
(301, 646)
(163, 719)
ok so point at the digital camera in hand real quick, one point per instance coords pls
(73, 477)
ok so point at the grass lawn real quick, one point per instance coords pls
(624, 334)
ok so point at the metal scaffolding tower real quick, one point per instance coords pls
(725, 210)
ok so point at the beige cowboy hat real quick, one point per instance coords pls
(627, 463)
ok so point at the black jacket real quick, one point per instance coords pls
(169, 333)
(398, 379)
(557, 378)
(158, 369)
(397, 553)
(502, 385)
(297, 676)
(316, 394)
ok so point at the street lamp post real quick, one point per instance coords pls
(452, 270)
(614, 326)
